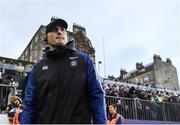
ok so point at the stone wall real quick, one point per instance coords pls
(166, 74)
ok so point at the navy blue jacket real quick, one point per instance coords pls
(63, 88)
(110, 118)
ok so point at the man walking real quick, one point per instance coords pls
(63, 87)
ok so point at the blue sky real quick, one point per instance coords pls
(133, 30)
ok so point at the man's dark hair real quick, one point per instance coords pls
(113, 105)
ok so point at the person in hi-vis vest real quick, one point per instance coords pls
(114, 117)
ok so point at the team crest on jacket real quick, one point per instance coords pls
(73, 63)
(45, 68)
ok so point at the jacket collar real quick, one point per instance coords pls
(62, 50)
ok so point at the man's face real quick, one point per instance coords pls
(57, 37)
(112, 110)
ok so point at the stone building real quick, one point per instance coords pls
(34, 50)
(161, 73)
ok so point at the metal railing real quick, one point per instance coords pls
(145, 110)
(6, 91)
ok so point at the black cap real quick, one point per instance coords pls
(56, 22)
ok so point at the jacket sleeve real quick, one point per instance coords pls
(118, 121)
(28, 115)
(97, 98)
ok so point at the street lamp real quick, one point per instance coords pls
(99, 62)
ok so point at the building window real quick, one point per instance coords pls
(36, 39)
(146, 78)
(35, 52)
(30, 58)
(26, 53)
(31, 46)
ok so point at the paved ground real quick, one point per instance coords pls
(4, 119)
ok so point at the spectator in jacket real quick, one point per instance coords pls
(114, 117)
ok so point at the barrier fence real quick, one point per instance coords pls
(6, 91)
(145, 110)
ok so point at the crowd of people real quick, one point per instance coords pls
(140, 93)
(147, 104)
